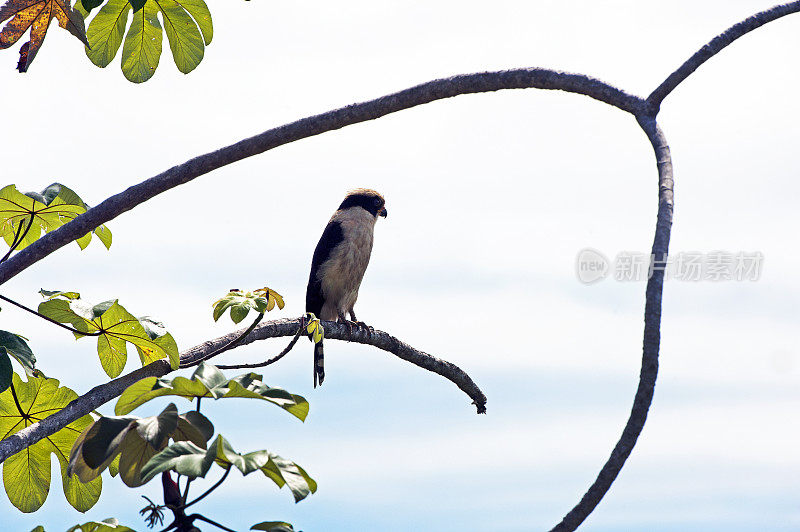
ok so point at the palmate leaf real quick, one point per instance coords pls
(117, 328)
(26, 475)
(208, 381)
(132, 441)
(37, 15)
(190, 460)
(187, 24)
(18, 210)
(45, 211)
(240, 303)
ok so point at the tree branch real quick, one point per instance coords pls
(308, 127)
(652, 338)
(103, 393)
(715, 46)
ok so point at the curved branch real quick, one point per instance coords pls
(103, 393)
(652, 338)
(307, 127)
(715, 46)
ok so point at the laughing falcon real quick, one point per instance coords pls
(339, 262)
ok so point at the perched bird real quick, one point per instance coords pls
(339, 263)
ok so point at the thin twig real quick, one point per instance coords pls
(209, 490)
(186, 488)
(230, 344)
(271, 360)
(51, 320)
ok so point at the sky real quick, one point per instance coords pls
(491, 198)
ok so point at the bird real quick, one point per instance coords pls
(340, 260)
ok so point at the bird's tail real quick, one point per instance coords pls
(319, 364)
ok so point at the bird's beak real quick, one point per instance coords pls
(382, 212)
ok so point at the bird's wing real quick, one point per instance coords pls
(331, 237)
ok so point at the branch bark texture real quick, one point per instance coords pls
(652, 338)
(103, 393)
(715, 46)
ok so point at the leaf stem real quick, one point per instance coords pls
(51, 320)
(186, 488)
(271, 360)
(212, 488)
(231, 343)
(16, 401)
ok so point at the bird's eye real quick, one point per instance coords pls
(377, 202)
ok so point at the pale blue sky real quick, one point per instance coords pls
(490, 199)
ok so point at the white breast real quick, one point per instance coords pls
(342, 273)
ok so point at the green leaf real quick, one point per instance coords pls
(106, 525)
(184, 457)
(104, 234)
(113, 467)
(117, 328)
(200, 424)
(26, 475)
(98, 446)
(63, 311)
(18, 211)
(188, 459)
(158, 333)
(142, 48)
(187, 23)
(240, 303)
(132, 439)
(249, 386)
(156, 430)
(16, 346)
(283, 471)
(53, 294)
(184, 38)
(239, 312)
(6, 371)
(273, 526)
(106, 30)
(208, 381)
(201, 15)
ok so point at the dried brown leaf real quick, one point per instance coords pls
(36, 15)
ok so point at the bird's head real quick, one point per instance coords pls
(367, 199)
